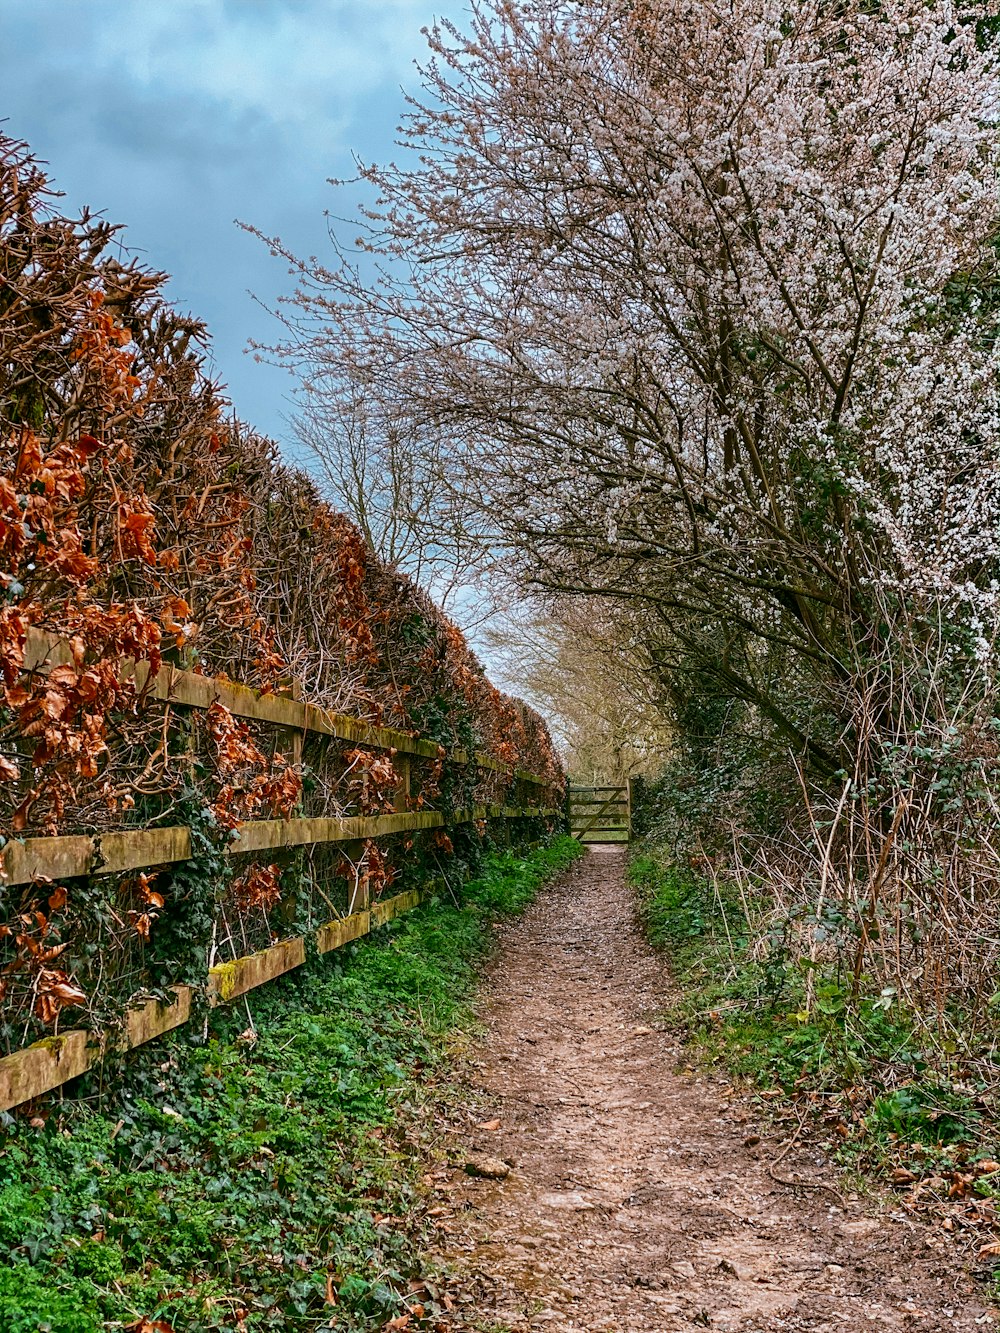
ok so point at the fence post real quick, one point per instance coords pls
(298, 733)
(403, 765)
(357, 892)
(291, 859)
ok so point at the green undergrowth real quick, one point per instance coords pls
(265, 1174)
(886, 1094)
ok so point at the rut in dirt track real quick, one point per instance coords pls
(639, 1199)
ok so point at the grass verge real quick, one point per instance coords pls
(266, 1176)
(864, 1078)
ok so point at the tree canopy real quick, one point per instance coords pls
(691, 305)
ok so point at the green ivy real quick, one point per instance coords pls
(260, 1170)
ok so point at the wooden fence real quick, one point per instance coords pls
(53, 1061)
(599, 814)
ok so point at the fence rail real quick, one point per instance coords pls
(75, 856)
(189, 690)
(55, 1060)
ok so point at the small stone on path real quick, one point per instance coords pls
(488, 1168)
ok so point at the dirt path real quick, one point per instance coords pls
(638, 1199)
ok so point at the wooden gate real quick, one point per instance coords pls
(599, 814)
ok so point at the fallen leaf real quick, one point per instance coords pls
(961, 1185)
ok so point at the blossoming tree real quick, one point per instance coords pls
(695, 302)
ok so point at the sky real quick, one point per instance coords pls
(177, 117)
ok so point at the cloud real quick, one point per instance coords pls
(285, 60)
(176, 116)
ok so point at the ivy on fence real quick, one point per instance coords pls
(159, 820)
